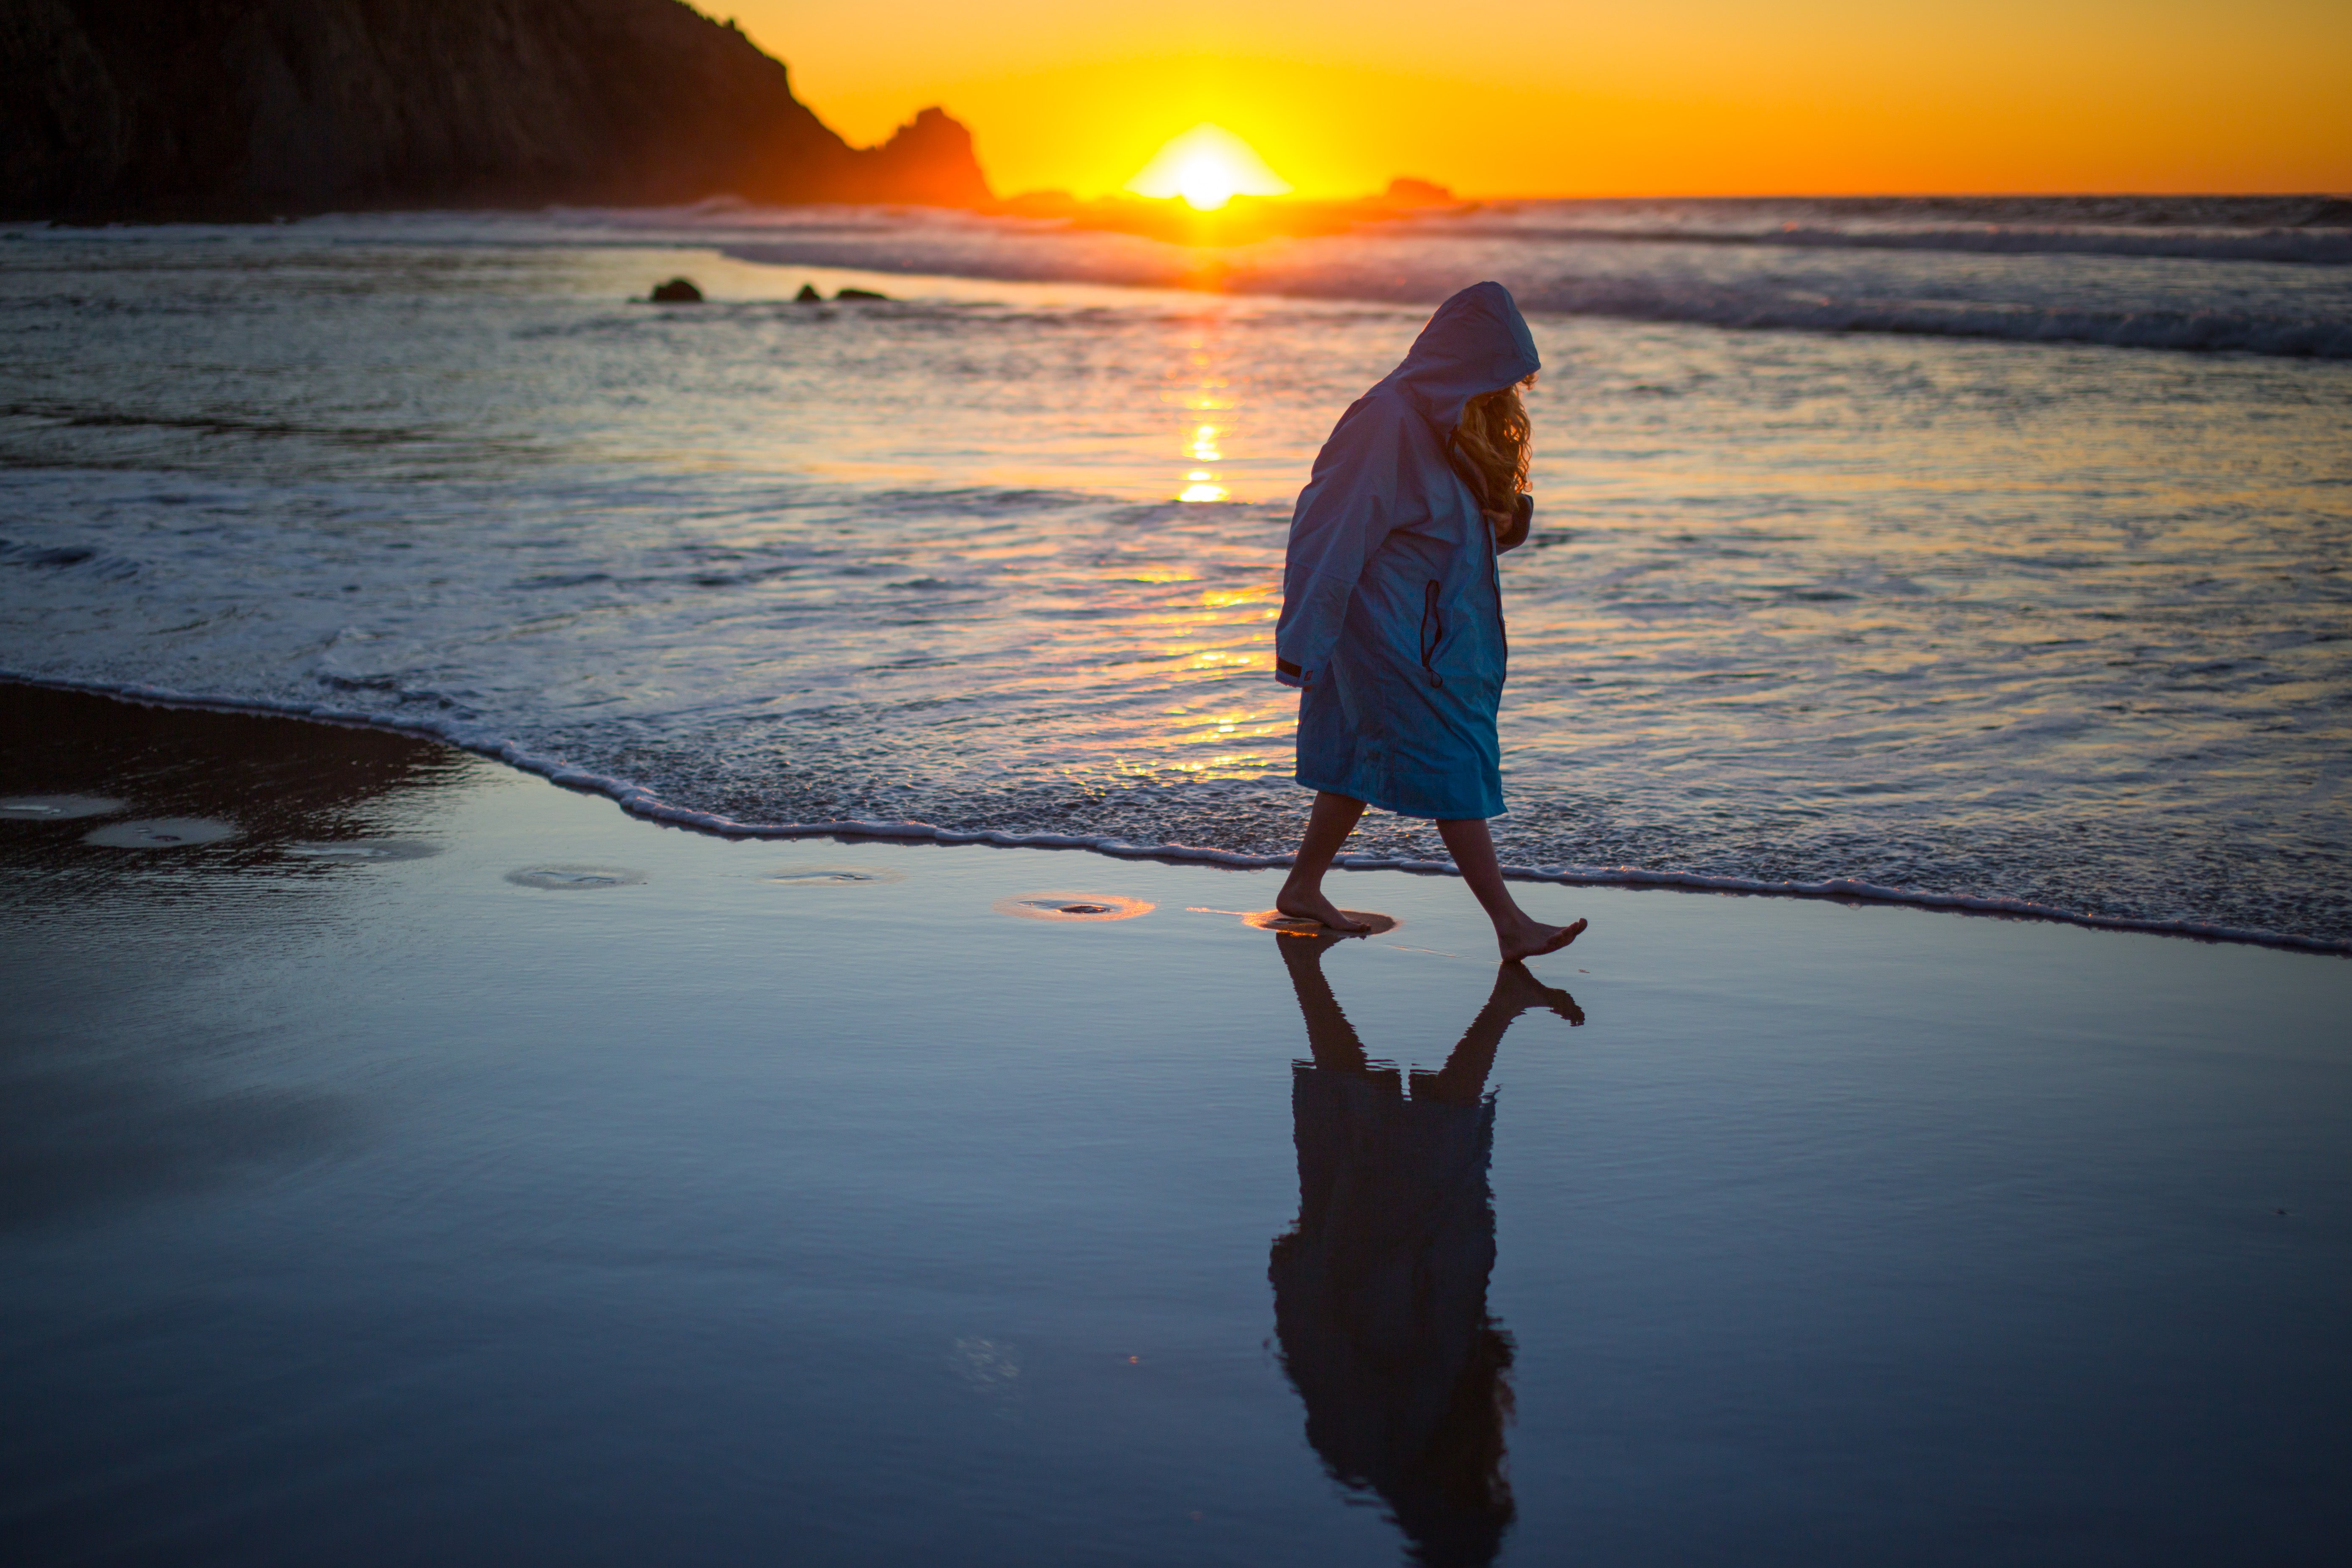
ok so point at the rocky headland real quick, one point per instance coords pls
(232, 110)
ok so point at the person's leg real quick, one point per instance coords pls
(1330, 1037)
(1328, 827)
(1517, 933)
(1462, 1079)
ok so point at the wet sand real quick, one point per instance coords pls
(431, 1163)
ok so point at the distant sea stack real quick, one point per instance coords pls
(247, 109)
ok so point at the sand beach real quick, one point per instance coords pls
(657, 670)
(438, 1164)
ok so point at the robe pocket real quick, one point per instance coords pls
(1432, 633)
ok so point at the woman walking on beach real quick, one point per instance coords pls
(1393, 610)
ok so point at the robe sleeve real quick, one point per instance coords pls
(1348, 508)
(1523, 517)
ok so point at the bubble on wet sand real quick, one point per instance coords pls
(833, 877)
(988, 1367)
(57, 807)
(1378, 925)
(163, 833)
(361, 850)
(574, 878)
(1072, 907)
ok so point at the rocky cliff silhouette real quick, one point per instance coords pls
(241, 108)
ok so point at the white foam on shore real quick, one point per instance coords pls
(638, 801)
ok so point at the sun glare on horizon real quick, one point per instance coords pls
(1208, 166)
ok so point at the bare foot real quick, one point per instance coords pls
(1315, 907)
(1533, 941)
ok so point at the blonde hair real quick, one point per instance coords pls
(1494, 439)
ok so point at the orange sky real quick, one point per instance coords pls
(1565, 96)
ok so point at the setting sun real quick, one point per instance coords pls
(1208, 166)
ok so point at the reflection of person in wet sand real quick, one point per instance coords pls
(1380, 1293)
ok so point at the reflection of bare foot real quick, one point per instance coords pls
(1531, 939)
(1520, 990)
(1315, 907)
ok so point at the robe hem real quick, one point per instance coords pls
(1303, 782)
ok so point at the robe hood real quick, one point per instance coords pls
(1476, 342)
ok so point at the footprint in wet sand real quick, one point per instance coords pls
(57, 807)
(1072, 907)
(163, 833)
(574, 878)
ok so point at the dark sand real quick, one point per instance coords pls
(542, 1185)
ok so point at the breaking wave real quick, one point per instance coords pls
(2191, 331)
(2184, 290)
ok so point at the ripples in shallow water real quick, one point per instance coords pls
(2061, 624)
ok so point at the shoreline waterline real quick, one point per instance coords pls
(636, 801)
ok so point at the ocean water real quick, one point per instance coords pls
(1991, 551)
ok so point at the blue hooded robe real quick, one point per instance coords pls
(1391, 600)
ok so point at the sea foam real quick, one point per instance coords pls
(638, 801)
